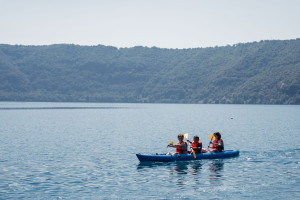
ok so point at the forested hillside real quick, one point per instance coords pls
(266, 72)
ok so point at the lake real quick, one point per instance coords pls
(87, 151)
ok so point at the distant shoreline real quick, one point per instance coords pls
(265, 72)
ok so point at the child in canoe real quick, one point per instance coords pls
(217, 144)
(195, 145)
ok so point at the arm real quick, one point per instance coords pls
(217, 144)
(178, 145)
(221, 144)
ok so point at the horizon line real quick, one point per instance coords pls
(84, 45)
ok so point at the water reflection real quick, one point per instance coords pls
(181, 167)
(215, 167)
(192, 168)
(213, 170)
(196, 167)
(145, 165)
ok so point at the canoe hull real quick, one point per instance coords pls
(186, 157)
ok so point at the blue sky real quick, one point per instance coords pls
(160, 23)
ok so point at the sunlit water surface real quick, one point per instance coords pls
(87, 151)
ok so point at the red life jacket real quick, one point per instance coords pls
(215, 147)
(179, 149)
(195, 145)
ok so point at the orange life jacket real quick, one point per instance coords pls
(215, 147)
(195, 145)
(179, 149)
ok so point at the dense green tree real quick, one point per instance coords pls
(265, 72)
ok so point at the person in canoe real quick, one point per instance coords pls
(217, 144)
(196, 145)
(181, 146)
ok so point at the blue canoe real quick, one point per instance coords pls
(186, 157)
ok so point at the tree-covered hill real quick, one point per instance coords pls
(266, 72)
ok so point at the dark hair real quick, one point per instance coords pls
(196, 136)
(218, 135)
(180, 135)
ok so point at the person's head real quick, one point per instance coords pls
(180, 136)
(196, 138)
(217, 135)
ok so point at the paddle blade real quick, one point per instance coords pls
(212, 137)
(194, 154)
(171, 141)
(186, 136)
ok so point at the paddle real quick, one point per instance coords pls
(212, 137)
(186, 136)
(171, 141)
(194, 153)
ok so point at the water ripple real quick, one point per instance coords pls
(90, 153)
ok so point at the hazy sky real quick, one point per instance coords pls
(160, 23)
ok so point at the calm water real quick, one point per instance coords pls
(87, 151)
